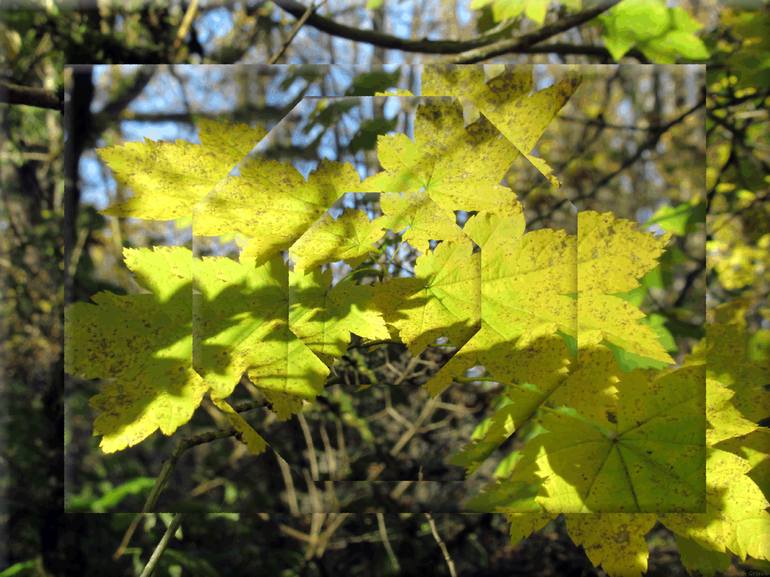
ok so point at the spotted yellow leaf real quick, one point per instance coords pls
(507, 100)
(441, 300)
(141, 346)
(168, 178)
(271, 204)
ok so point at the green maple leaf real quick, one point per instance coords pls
(533, 9)
(737, 387)
(506, 100)
(441, 300)
(141, 345)
(614, 541)
(614, 454)
(735, 522)
(736, 519)
(726, 350)
(526, 283)
(541, 373)
(726, 421)
(169, 178)
(679, 219)
(271, 203)
(419, 219)
(509, 9)
(661, 33)
(459, 167)
(697, 558)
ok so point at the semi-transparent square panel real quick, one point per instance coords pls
(384, 296)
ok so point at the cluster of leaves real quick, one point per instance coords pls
(508, 9)
(734, 520)
(600, 417)
(737, 173)
(662, 34)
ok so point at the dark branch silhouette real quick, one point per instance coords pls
(16, 94)
(512, 45)
(471, 50)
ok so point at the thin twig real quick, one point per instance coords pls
(650, 142)
(162, 479)
(311, 455)
(339, 519)
(127, 537)
(168, 466)
(291, 494)
(375, 343)
(188, 443)
(161, 546)
(386, 542)
(184, 27)
(441, 545)
(426, 412)
(302, 19)
(317, 520)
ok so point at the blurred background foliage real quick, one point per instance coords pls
(631, 141)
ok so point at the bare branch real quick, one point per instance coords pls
(38, 97)
(471, 50)
(512, 45)
(386, 542)
(161, 546)
(302, 19)
(188, 443)
(441, 545)
(383, 40)
(184, 27)
(649, 143)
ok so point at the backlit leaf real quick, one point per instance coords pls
(168, 178)
(271, 203)
(507, 101)
(141, 345)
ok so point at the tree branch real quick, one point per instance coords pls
(161, 546)
(512, 45)
(384, 40)
(168, 466)
(16, 94)
(472, 50)
(294, 31)
(162, 478)
(188, 443)
(444, 551)
(120, 102)
(184, 27)
(649, 143)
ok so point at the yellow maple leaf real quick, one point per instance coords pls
(169, 178)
